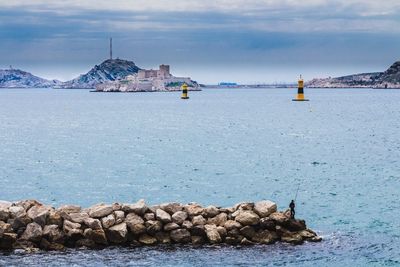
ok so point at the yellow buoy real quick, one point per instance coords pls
(300, 91)
(184, 91)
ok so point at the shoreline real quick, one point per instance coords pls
(32, 226)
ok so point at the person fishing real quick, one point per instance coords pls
(292, 211)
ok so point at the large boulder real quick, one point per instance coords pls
(267, 223)
(118, 233)
(54, 217)
(4, 212)
(231, 224)
(193, 209)
(119, 216)
(265, 237)
(179, 217)
(78, 217)
(264, 208)
(218, 220)
(39, 213)
(210, 211)
(212, 234)
(33, 232)
(108, 221)
(247, 217)
(94, 224)
(72, 230)
(163, 238)
(135, 223)
(295, 225)
(180, 236)
(16, 211)
(69, 209)
(247, 232)
(292, 237)
(279, 217)
(147, 240)
(98, 236)
(171, 208)
(199, 220)
(100, 210)
(8, 240)
(153, 227)
(5, 228)
(163, 216)
(244, 206)
(139, 207)
(170, 226)
(53, 233)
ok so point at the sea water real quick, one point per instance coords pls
(341, 151)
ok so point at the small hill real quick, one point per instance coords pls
(15, 78)
(109, 70)
(387, 79)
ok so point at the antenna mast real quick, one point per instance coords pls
(110, 48)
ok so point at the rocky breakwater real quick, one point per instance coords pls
(32, 226)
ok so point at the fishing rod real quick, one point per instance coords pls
(297, 193)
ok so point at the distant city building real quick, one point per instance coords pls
(227, 84)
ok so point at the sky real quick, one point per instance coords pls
(244, 41)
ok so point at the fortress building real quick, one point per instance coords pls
(162, 73)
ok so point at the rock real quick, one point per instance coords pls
(197, 240)
(232, 241)
(97, 236)
(148, 240)
(198, 230)
(4, 210)
(212, 234)
(78, 217)
(8, 240)
(292, 237)
(264, 208)
(94, 224)
(306, 234)
(119, 216)
(295, 225)
(100, 210)
(108, 221)
(279, 218)
(187, 225)
(139, 207)
(54, 217)
(117, 234)
(246, 217)
(222, 231)
(246, 242)
(248, 232)
(21, 222)
(210, 211)
(230, 224)
(163, 237)
(149, 216)
(53, 233)
(39, 214)
(267, 223)
(199, 220)
(33, 232)
(15, 211)
(244, 206)
(171, 208)
(315, 239)
(5, 228)
(234, 233)
(193, 209)
(71, 229)
(69, 209)
(170, 226)
(116, 207)
(163, 216)
(85, 243)
(179, 217)
(135, 223)
(27, 204)
(180, 236)
(265, 237)
(219, 220)
(153, 227)
(46, 245)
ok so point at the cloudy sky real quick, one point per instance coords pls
(247, 41)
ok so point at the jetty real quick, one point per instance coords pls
(33, 226)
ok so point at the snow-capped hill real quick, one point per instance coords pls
(109, 70)
(14, 78)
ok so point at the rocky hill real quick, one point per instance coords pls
(387, 79)
(109, 70)
(14, 78)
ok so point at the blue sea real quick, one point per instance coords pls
(222, 146)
